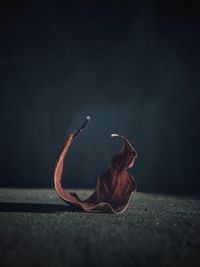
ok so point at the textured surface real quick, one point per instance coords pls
(37, 229)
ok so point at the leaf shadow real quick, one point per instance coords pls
(36, 208)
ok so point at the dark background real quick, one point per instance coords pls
(133, 66)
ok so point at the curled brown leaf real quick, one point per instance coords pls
(114, 187)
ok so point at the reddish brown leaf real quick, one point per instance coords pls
(114, 187)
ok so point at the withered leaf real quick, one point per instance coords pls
(114, 187)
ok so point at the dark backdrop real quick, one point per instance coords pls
(133, 66)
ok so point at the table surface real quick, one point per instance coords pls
(38, 229)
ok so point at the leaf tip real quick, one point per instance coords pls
(114, 135)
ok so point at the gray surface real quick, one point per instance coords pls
(36, 229)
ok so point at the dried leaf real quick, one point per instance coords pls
(114, 187)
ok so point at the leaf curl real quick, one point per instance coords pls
(114, 187)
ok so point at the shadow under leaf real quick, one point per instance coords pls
(36, 207)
